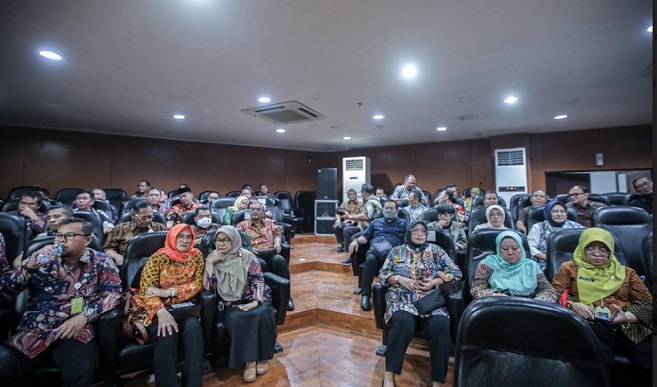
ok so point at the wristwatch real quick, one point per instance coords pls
(397, 278)
(569, 304)
(88, 313)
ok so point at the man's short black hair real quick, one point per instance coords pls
(369, 188)
(391, 201)
(202, 208)
(148, 183)
(33, 195)
(445, 208)
(639, 178)
(67, 210)
(93, 198)
(139, 205)
(582, 187)
(451, 185)
(87, 227)
(417, 194)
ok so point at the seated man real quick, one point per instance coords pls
(57, 325)
(538, 198)
(351, 206)
(84, 201)
(142, 188)
(55, 216)
(99, 194)
(203, 223)
(380, 193)
(28, 207)
(491, 198)
(643, 186)
(142, 222)
(264, 191)
(405, 189)
(246, 191)
(384, 234)
(157, 201)
(264, 235)
(186, 204)
(415, 208)
(212, 195)
(370, 208)
(578, 200)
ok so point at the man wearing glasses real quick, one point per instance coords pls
(141, 223)
(578, 197)
(643, 186)
(68, 293)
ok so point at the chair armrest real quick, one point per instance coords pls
(108, 329)
(455, 307)
(280, 294)
(379, 303)
(285, 251)
(208, 301)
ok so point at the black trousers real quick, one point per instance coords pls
(339, 232)
(277, 264)
(401, 332)
(75, 360)
(165, 354)
(349, 232)
(371, 269)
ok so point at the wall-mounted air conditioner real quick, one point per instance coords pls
(355, 173)
(510, 172)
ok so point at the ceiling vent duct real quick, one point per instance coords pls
(290, 112)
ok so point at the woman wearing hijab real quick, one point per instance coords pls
(510, 272)
(556, 218)
(241, 203)
(236, 275)
(446, 224)
(595, 277)
(495, 216)
(414, 270)
(470, 195)
(173, 275)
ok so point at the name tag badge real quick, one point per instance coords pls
(76, 305)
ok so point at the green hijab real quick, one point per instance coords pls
(519, 277)
(597, 282)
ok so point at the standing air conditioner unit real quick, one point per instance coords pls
(510, 172)
(355, 173)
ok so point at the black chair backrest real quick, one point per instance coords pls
(517, 203)
(403, 202)
(478, 216)
(157, 217)
(233, 194)
(188, 218)
(12, 205)
(207, 243)
(443, 240)
(13, 229)
(116, 196)
(616, 198)
(501, 342)
(287, 204)
(479, 201)
(536, 215)
(103, 205)
(240, 216)
(16, 192)
(630, 225)
(561, 248)
(427, 194)
(203, 196)
(646, 247)
(137, 253)
(67, 195)
(599, 198)
(96, 222)
(430, 215)
(222, 203)
(131, 203)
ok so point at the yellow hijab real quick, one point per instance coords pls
(597, 282)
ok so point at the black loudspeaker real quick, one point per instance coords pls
(327, 184)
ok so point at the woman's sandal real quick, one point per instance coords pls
(249, 372)
(262, 367)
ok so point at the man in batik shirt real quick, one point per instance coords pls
(186, 204)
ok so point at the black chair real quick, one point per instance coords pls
(12, 205)
(116, 197)
(536, 215)
(305, 208)
(67, 195)
(616, 198)
(430, 215)
(403, 202)
(287, 206)
(379, 300)
(188, 218)
(16, 192)
(157, 217)
(479, 201)
(503, 341)
(103, 205)
(478, 216)
(128, 356)
(203, 196)
(427, 194)
(233, 194)
(646, 247)
(630, 225)
(599, 198)
(96, 223)
(219, 207)
(517, 203)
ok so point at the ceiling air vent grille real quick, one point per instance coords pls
(290, 112)
(508, 158)
(354, 165)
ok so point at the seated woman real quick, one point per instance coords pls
(236, 275)
(414, 270)
(469, 195)
(511, 273)
(495, 216)
(556, 218)
(241, 203)
(173, 275)
(446, 224)
(595, 277)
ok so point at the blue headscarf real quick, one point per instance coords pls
(547, 212)
(519, 277)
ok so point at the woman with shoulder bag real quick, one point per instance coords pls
(415, 271)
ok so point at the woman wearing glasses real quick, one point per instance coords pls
(236, 275)
(556, 218)
(412, 271)
(597, 284)
(173, 275)
(495, 217)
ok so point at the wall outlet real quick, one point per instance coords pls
(599, 160)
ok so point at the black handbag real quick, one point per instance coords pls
(430, 302)
(185, 309)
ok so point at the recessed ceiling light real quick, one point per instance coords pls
(264, 99)
(179, 116)
(441, 128)
(50, 55)
(560, 117)
(511, 100)
(346, 138)
(649, 29)
(280, 130)
(378, 116)
(409, 71)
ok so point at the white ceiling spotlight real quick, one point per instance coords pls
(378, 116)
(409, 71)
(264, 99)
(649, 29)
(346, 138)
(441, 128)
(50, 55)
(510, 100)
(179, 116)
(560, 117)
(280, 130)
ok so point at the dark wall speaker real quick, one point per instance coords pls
(327, 184)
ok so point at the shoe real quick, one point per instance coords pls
(290, 304)
(365, 303)
(262, 367)
(388, 382)
(346, 261)
(249, 372)
(357, 291)
(341, 249)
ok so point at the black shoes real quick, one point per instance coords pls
(290, 304)
(346, 261)
(365, 303)
(341, 249)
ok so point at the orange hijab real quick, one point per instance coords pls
(170, 244)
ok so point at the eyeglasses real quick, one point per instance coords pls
(222, 240)
(645, 184)
(598, 250)
(558, 212)
(419, 231)
(572, 195)
(68, 236)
